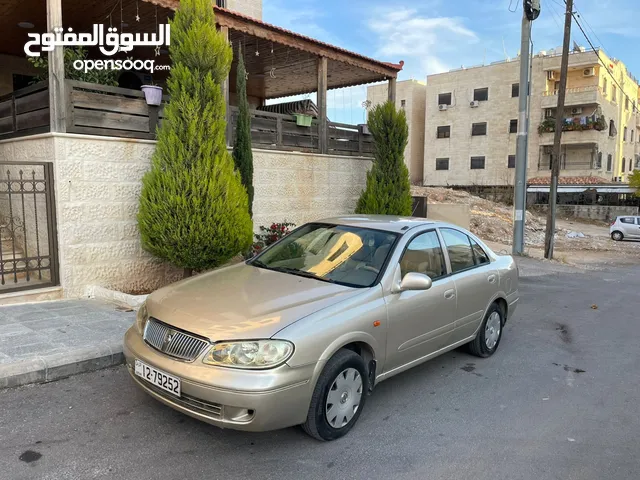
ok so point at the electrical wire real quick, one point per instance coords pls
(597, 52)
(515, 9)
(556, 14)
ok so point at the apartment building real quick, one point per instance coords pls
(411, 97)
(472, 121)
(250, 8)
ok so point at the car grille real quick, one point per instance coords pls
(173, 342)
(186, 401)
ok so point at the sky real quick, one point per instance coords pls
(434, 36)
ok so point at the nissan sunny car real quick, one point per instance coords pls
(301, 333)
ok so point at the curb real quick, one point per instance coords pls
(48, 368)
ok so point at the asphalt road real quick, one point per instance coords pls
(559, 400)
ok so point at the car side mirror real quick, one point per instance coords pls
(414, 281)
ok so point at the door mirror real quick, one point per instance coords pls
(415, 281)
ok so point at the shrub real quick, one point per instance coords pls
(193, 207)
(242, 154)
(71, 54)
(388, 190)
(270, 235)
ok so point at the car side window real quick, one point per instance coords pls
(479, 255)
(424, 255)
(459, 249)
(630, 220)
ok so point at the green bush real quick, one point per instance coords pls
(242, 154)
(634, 181)
(193, 207)
(71, 54)
(388, 190)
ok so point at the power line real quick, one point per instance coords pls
(597, 52)
(555, 14)
(515, 9)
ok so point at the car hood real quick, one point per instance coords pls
(242, 302)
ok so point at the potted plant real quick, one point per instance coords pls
(303, 120)
(152, 94)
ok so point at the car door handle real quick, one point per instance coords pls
(449, 294)
(491, 278)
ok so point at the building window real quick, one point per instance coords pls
(609, 162)
(614, 93)
(624, 134)
(444, 132)
(444, 99)
(221, 3)
(624, 163)
(630, 164)
(632, 132)
(513, 126)
(515, 90)
(511, 162)
(442, 164)
(598, 164)
(604, 87)
(612, 128)
(481, 94)
(403, 103)
(477, 163)
(478, 129)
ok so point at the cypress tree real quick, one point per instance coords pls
(242, 155)
(388, 191)
(193, 207)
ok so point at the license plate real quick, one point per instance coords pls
(157, 377)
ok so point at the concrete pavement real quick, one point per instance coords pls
(40, 342)
(559, 400)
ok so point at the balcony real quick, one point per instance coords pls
(589, 95)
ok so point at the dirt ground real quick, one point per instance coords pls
(578, 242)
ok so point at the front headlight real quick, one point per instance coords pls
(250, 354)
(141, 318)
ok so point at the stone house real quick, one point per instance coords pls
(72, 154)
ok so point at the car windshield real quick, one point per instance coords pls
(339, 254)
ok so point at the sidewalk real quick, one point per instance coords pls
(41, 342)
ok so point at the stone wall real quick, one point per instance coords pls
(98, 182)
(301, 187)
(594, 212)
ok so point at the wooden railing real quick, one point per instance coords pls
(118, 112)
(281, 132)
(94, 109)
(25, 111)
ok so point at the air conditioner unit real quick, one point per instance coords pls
(548, 113)
(474, 104)
(551, 75)
(589, 72)
(442, 107)
(576, 111)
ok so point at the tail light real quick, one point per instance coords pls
(613, 223)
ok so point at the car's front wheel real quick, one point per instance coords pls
(338, 398)
(617, 236)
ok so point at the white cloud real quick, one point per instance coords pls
(427, 44)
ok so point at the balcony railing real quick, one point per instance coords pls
(281, 132)
(94, 109)
(587, 95)
(578, 124)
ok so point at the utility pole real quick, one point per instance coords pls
(555, 160)
(530, 11)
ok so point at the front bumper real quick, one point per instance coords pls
(257, 400)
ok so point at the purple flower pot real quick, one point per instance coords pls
(152, 94)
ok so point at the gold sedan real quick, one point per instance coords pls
(301, 333)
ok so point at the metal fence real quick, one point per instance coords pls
(28, 239)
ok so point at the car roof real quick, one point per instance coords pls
(389, 223)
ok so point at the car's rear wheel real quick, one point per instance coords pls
(338, 398)
(486, 342)
(617, 236)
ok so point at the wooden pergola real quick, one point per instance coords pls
(279, 62)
